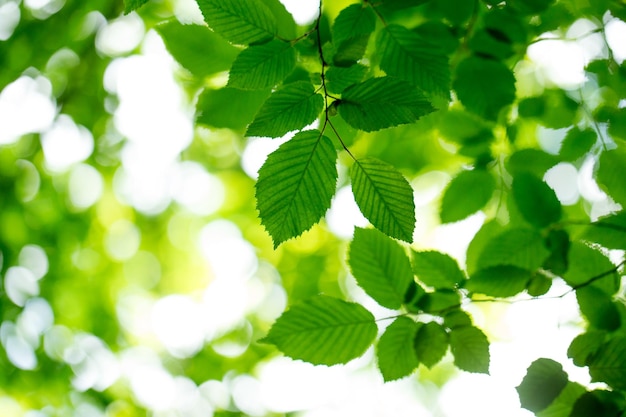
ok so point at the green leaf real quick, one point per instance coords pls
(499, 281)
(585, 345)
(585, 264)
(467, 193)
(542, 384)
(437, 269)
(564, 402)
(457, 318)
(323, 331)
(130, 5)
(340, 78)
(382, 102)
(239, 21)
(608, 231)
(481, 239)
(380, 266)
(577, 143)
(296, 184)
(395, 353)
(229, 107)
(536, 201)
(539, 284)
(609, 364)
(598, 307)
(384, 197)
(558, 242)
(351, 31)
(612, 174)
(531, 160)
(286, 26)
(431, 343)
(470, 348)
(291, 107)
(484, 86)
(406, 55)
(197, 48)
(599, 403)
(520, 247)
(530, 6)
(262, 66)
(439, 301)
(456, 11)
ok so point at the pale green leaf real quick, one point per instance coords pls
(239, 21)
(542, 384)
(499, 281)
(197, 48)
(382, 102)
(520, 247)
(467, 193)
(395, 353)
(609, 364)
(380, 266)
(608, 231)
(324, 331)
(536, 201)
(296, 184)
(262, 66)
(384, 197)
(437, 269)
(406, 55)
(431, 343)
(470, 349)
(130, 5)
(229, 107)
(611, 174)
(291, 107)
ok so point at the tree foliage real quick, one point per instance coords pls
(372, 96)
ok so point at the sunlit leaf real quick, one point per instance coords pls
(229, 107)
(239, 21)
(437, 269)
(612, 174)
(380, 267)
(262, 66)
(470, 348)
(467, 193)
(323, 330)
(431, 343)
(536, 201)
(296, 184)
(523, 248)
(395, 353)
(499, 281)
(384, 197)
(291, 107)
(130, 5)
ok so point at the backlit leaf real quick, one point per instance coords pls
(543, 382)
(382, 102)
(296, 184)
(239, 21)
(380, 266)
(286, 26)
(340, 78)
(395, 353)
(291, 107)
(130, 5)
(229, 107)
(384, 197)
(562, 405)
(440, 301)
(609, 231)
(598, 307)
(577, 143)
(585, 345)
(536, 201)
(612, 174)
(406, 55)
(535, 161)
(324, 331)
(467, 193)
(520, 247)
(431, 343)
(437, 269)
(262, 66)
(586, 263)
(499, 281)
(351, 32)
(470, 348)
(609, 364)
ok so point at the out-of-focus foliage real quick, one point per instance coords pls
(151, 252)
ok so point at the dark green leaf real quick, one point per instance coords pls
(485, 234)
(499, 281)
(530, 6)
(577, 143)
(533, 161)
(262, 66)
(457, 318)
(239, 21)
(588, 265)
(412, 297)
(296, 184)
(340, 78)
(608, 231)
(437, 269)
(536, 201)
(470, 348)
(229, 107)
(523, 248)
(598, 308)
(395, 353)
(609, 364)
(380, 266)
(456, 11)
(467, 193)
(130, 5)
(492, 44)
(484, 86)
(402, 4)
(543, 382)
(539, 284)
(431, 343)
(197, 48)
(558, 243)
(324, 331)
(598, 403)
(406, 55)
(384, 197)
(585, 345)
(291, 107)
(612, 174)
(382, 102)
(564, 402)
(439, 301)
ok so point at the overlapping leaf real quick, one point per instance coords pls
(382, 102)
(577, 143)
(239, 21)
(499, 281)
(431, 343)
(458, 203)
(291, 107)
(612, 174)
(542, 384)
(130, 5)
(262, 66)
(609, 231)
(351, 32)
(470, 348)
(296, 184)
(384, 197)
(340, 78)
(437, 269)
(324, 331)
(406, 55)
(586, 263)
(536, 201)
(395, 353)
(229, 107)
(609, 364)
(523, 248)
